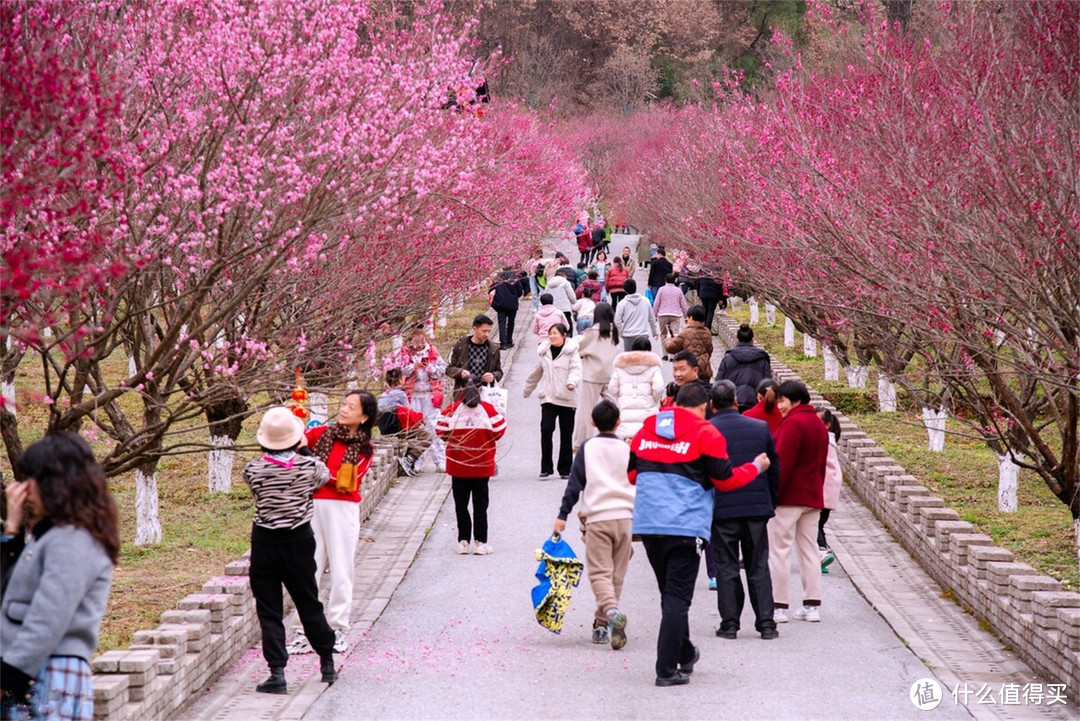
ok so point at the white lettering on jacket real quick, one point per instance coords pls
(682, 447)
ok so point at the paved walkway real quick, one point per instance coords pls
(442, 636)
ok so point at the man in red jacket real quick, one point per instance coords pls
(802, 446)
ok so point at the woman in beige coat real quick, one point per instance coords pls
(598, 346)
(557, 376)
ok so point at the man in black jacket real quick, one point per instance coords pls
(475, 355)
(740, 518)
(505, 296)
(659, 270)
(745, 365)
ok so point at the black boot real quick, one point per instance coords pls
(275, 684)
(326, 666)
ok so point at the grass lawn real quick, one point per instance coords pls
(201, 531)
(1039, 533)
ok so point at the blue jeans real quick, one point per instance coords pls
(534, 289)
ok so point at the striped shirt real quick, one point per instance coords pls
(283, 489)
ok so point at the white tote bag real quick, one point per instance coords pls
(496, 396)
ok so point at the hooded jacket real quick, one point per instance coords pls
(552, 375)
(634, 317)
(470, 435)
(834, 477)
(745, 365)
(562, 291)
(546, 316)
(698, 339)
(677, 459)
(637, 387)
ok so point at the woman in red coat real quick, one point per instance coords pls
(613, 281)
(766, 408)
(802, 448)
(471, 428)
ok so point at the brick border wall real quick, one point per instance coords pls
(1027, 610)
(171, 665)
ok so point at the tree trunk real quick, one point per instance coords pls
(886, 393)
(9, 431)
(7, 389)
(755, 316)
(856, 376)
(809, 346)
(770, 314)
(226, 418)
(789, 333)
(832, 365)
(319, 404)
(220, 464)
(147, 522)
(934, 420)
(1007, 483)
(734, 302)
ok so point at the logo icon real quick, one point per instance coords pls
(925, 694)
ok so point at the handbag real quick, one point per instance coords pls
(495, 396)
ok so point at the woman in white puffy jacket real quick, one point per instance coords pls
(557, 376)
(636, 386)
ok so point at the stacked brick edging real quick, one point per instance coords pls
(1027, 610)
(169, 666)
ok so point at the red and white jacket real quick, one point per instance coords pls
(470, 435)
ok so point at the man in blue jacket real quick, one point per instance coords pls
(740, 519)
(676, 461)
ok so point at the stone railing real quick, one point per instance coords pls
(168, 666)
(1025, 609)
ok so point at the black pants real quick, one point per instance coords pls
(710, 311)
(749, 534)
(821, 542)
(549, 413)
(462, 489)
(286, 557)
(506, 327)
(674, 560)
(614, 296)
(569, 321)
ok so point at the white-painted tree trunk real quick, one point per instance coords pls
(46, 332)
(809, 346)
(755, 314)
(131, 366)
(7, 389)
(770, 314)
(1008, 474)
(395, 344)
(319, 405)
(999, 337)
(856, 376)
(789, 333)
(934, 420)
(734, 302)
(832, 364)
(1076, 537)
(147, 523)
(220, 464)
(886, 394)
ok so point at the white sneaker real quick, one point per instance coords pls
(483, 549)
(780, 615)
(462, 548)
(299, 645)
(808, 613)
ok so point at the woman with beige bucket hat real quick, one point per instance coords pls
(283, 481)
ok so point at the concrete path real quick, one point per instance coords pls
(442, 636)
